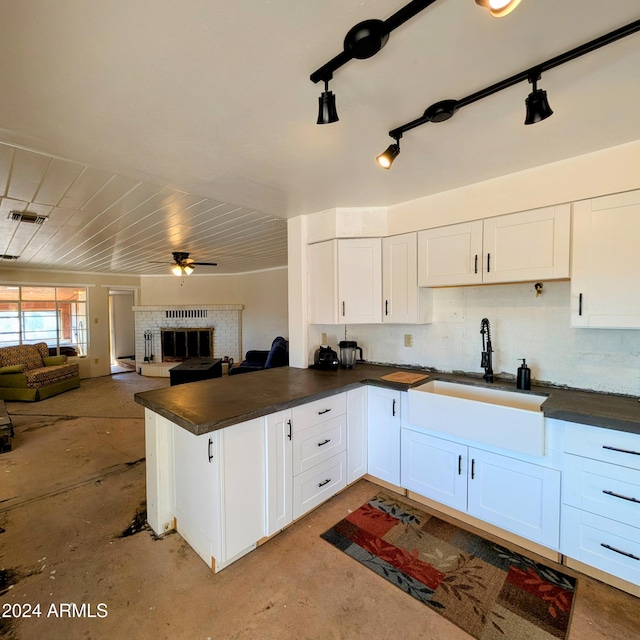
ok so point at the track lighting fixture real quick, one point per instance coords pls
(499, 8)
(385, 159)
(538, 108)
(327, 106)
(366, 38)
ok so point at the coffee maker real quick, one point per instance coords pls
(348, 350)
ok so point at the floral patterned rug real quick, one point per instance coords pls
(490, 592)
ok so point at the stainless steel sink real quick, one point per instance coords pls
(506, 419)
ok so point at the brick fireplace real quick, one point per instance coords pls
(179, 324)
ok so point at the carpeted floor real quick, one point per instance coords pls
(104, 397)
(485, 589)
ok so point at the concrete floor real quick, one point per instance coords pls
(71, 487)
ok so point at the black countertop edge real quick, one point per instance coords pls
(197, 411)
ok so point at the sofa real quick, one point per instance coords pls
(256, 360)
(29, 373)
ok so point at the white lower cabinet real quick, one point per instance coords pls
(512, 494)
(384, 434)
(279, 473)
(219, 481)
(601, 500)
(319, 455)
(357, 433)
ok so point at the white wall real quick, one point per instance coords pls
(523, 326)
(262, 294)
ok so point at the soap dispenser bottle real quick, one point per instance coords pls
(523, 379)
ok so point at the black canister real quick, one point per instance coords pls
(523, 378)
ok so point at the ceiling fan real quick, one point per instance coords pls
(184, 265)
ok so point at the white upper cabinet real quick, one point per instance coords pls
(518, 247)
(345, 281)
(606, 262)
(403, 302)
(450, 255)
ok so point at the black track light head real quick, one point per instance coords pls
(385, 159)
(537, 105)
(327, 112)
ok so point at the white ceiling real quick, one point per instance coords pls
(142, 127)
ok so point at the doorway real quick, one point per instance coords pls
(122, 330)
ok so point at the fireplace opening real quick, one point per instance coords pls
(182, 344)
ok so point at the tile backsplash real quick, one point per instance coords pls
(522, 326)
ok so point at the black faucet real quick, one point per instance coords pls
(487, 350)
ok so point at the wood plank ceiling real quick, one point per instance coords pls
(97, 221)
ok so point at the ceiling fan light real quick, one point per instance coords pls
(385, 159)
(176, 270)
(499, 8)
(188, 269)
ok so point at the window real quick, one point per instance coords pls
(55, 315)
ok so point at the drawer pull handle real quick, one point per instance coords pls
(633, 453)
(622, 553)
(618, 495)
(324, 411)
(325, 482)
(321, 444)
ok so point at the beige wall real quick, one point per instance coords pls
(263, 295)
(97, 362)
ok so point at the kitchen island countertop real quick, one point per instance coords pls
(208, 405)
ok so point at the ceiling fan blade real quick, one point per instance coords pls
(205, 264)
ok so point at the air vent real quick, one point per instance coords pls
(25, 216)
(6, 256)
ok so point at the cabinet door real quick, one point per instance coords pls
(360, 281)
(242, 451)
(434, 468)
(384, 434)
(196, 466)
(400, 279)
(357, 439)
(518, 496)
(322, 282)
(530, 245)
(450, 255)
(606, 262)
(279, 474)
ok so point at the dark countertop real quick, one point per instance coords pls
(201, 407)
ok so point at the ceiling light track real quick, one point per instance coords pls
(537, 107)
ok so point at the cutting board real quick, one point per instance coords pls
(405, 376)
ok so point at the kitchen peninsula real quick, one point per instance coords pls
(232, 461)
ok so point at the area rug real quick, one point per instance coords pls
(488, 591)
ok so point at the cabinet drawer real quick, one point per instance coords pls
(608, 445)
(312, 413)
(607, 545)
(319, 443)
(606, 489)
(318, 484)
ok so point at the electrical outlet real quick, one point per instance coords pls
(408, 340)
(96, 360)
